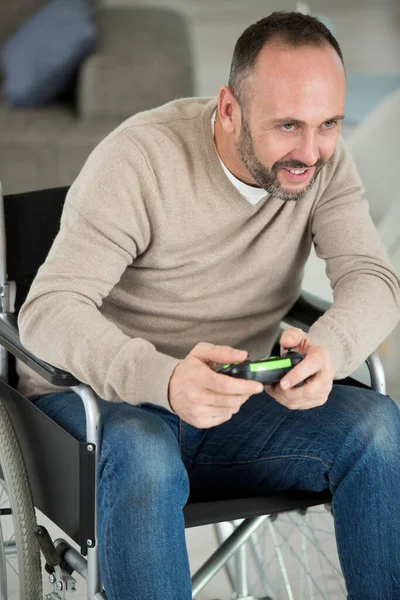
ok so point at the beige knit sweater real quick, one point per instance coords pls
(157, 251)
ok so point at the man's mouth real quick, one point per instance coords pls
(296, 175)
(297, 171)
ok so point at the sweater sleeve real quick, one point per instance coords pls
(105, 224)
(366, 294)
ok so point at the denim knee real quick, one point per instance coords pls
(378, 423)
(370, 426)
(142, 453)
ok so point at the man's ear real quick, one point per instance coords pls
(228, 109)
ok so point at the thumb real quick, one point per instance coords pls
(211, 353)
(293, 337)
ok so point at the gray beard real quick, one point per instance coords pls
(266, 178)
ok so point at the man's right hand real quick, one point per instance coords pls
(204, 398)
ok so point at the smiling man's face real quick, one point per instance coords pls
(288, 124)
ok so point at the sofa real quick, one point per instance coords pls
(142, 59)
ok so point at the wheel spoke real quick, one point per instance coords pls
(256, 553)
(5, 558)
(12, 567)
(280, 560)
(2, 489)
(323, 553)
(296, 544)
(307, 571)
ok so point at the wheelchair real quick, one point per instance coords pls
(43, 467)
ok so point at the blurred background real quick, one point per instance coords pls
(71, 70)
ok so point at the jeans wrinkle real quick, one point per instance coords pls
(263, 458)
(194, 447)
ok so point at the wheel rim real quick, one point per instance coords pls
(17, 517)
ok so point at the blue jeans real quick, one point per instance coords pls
(149, 459)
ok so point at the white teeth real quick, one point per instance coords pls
(297, 171)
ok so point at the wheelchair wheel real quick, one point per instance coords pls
(20, 568)
(291, 556)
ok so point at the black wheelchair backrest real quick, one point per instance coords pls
(32, 221)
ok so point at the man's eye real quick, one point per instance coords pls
(330, 124)
(288, 126)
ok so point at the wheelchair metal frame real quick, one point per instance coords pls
(89, 569)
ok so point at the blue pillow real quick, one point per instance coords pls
(39, 60)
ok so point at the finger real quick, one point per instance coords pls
(292, 395)
(211, 353)
(294, 402)
(284, 398)
(213, 416)
(206, 378)
(218, 412)
(309, 366)
(222, 401)
(215, 421)
(292, 337)
(315, 386)
(206, 422)
(305, 404)
(231, 386)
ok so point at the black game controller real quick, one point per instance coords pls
(267, 370)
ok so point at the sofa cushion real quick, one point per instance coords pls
(45, 147)
(143, 59)
(15, 14)
(39, 60)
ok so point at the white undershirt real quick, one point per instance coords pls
(252, 194)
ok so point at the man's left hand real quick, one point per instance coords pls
(315, 370)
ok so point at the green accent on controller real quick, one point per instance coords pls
(266, 366)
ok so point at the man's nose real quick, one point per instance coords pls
(307, 150)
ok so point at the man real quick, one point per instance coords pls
(179, 249)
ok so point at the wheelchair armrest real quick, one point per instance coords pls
(9, 338)
(307, 309)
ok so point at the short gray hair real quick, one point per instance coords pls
(293, 28)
